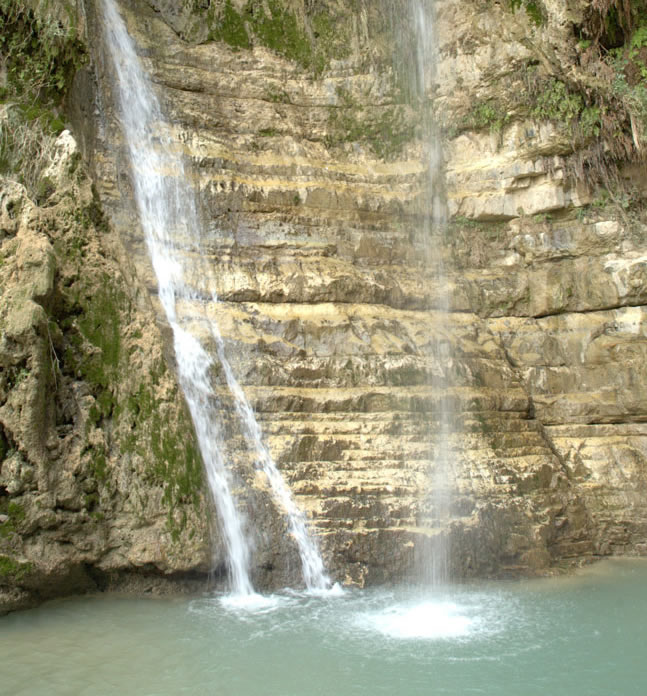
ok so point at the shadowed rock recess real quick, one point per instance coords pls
(307, 157)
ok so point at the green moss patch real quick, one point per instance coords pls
(93, 331)
(533, 9)
(169, 446)
(278, 29)
(101, 325)
(310, 40)
(228, 26)
(13, 571)
(178, 467)
(385, 130)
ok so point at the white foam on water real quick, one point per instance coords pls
(333, 591)
(238, 605)
(252, 603)
(426, 620)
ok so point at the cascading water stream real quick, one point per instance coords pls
(434, 220)
(314, 573)
(169, 219)
(166, 208)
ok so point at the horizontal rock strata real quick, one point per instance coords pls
(327, 287)
(506, 346)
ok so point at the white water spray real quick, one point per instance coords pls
(434, 220)
(167, 212)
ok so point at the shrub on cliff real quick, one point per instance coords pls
(39, 52)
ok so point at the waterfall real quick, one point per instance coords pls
(168, 215)
(312, 564)
(434, 222)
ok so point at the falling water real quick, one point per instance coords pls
(434, 219)
(168, 216)
(312, 564)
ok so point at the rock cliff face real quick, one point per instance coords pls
(309, 163)
(556, 267)
(98, 474)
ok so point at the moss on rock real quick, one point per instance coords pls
(311, 38)
(12, 571)
(228, 26)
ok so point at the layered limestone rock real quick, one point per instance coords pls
(327, 286)
(309, 166)
(555, 267)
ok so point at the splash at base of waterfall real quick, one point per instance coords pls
(581, 635)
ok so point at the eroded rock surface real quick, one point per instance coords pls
(311, 174)
(99, 476)
(330, 298)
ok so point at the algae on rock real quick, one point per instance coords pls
(76, 346)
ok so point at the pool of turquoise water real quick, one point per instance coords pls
(581, 635)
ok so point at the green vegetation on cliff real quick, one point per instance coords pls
(596, 95)
(309, 39)
(278, 29)
(228, 27)
(12, 571)
(39, 52)
(612, 81)
(532, 7)
(175, 464)
(384, 130)
(138, 419)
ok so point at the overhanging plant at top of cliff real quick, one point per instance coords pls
(596, 92)
(39, 53)
(613, 46)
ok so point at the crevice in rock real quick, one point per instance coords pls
(5, 446)
(626, 420)
(585, 311)
(148, 580)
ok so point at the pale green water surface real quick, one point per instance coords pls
(582, 635)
